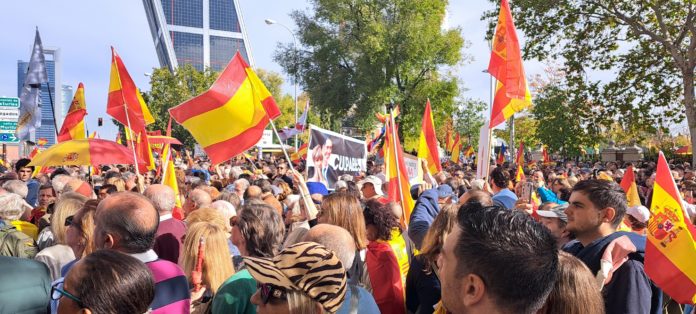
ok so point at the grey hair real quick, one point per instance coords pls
(17, 187)
(244, 182)
(339, 241)
(226, 210)
(164, 200)
(59, 182)
(235, 172)
(127, 176)
(12, 206)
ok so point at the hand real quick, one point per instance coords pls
(424, 165)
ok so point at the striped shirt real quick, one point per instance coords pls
(172, 293)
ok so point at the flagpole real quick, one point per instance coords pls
(512, 137)
(396, 159)
(166, 160)
(287, 158)
(135, 157)
(53, 109)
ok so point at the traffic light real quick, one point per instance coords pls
(99, 122)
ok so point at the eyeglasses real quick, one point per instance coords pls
(57, 292)
(69, 220)
(267, 291)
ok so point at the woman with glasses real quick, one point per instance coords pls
(105, 281)
(59, 254)
(80, 233)
(257, 231)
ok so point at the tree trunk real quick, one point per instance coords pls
(690, 106)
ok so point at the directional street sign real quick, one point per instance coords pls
(9, 114)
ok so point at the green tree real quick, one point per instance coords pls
(357, 56)
(649, 45)
(468, 120)
(560, 127)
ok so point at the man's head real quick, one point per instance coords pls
(596, 208)
(335, 239)
(196, 199)
(23, 169)
(326, 151)
(162, 197)
(240, 187)
(106, 190)
(46, 195)
(12, 206)
(17, 187)
(496, 260)
(499, 178)
(370, 186)
(556, 220)
(253, 192)
(445, 194)
(126, 222)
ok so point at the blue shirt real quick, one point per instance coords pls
(365, 302)
(505, 198)
(33, 194)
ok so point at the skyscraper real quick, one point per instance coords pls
(48, 120)
(67, 100)
(203, 33)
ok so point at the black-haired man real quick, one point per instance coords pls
(496, 261)
(596, 208)
(24, 172)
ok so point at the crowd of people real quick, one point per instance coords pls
(255, 236)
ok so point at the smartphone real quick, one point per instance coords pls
(526, 192)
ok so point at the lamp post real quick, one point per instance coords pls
(297, 66)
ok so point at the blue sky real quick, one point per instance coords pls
(84, 31)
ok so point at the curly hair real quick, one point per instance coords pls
(381, 217)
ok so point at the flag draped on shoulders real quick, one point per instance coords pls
(395, 169)
(512, 93)
(628, 184)
(125, 103)
(229, 117)
(29, 100)
(427, 145)
(670, 252)
(74, 124)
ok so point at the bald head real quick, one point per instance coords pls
(126, 222)
(162, 197)
(253, 192)
(335, 239)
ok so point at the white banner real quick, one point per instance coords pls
(483, 161)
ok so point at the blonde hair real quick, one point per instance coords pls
(86, 226)
(343, 209)
(435, 237)
(299, 303)
(118, 182)
(208, 215)
(217, 260)
(575, 290)
(68, 204)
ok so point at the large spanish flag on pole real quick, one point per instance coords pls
(397, 176)
(670, 252)
(512, 93)
(427, 146)
(628, 184)
(456, 149)
(74, 124)
(229, 117)
(125, 103)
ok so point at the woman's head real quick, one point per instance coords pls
(303, 278)
(435, 237)
(80, 232)
(379, 221)
(258, 230)
(106, 281)
(575, 290)
(118, 182)
(67, 205)
(217, 262)
(343, 209)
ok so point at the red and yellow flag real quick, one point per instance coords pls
(300, 154)
(170, 181)
(519, 158)
(456, 149)
(628, 184)
(545, 155)
(74, 124)
(469, 151)
(230, 117)
(41, 141)
(670, 252)
(512, 93)
(427, 145)
(397, 176)
(125, 103)
(144, 153)
(519, 177)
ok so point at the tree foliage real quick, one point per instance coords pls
(358, 55)
(469, 119)
(647, 48)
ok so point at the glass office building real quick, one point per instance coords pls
(48, 123)
(203, 33)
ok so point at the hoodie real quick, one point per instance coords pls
(629, 290)
(422, 216)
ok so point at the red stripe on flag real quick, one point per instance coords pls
(271, 108)
(680, 287)
(218, 151)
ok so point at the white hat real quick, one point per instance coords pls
(375, 181)
(640, 213)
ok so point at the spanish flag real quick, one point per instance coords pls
(125, 103)
(397, 176)
(670, 252)
(229, 117)
(519, 159)
(427, 145)
(512, 93)
(74, 124)
(628, 184)
(170, 181)
(300, 154)
(469, 151)
(456, 149)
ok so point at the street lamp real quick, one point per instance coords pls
(297, 65)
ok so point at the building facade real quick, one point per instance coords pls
(48, 119)
(203, 33)
(67, 100)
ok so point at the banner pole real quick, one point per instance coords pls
(135, 158)
(287, 157)
(396, 159)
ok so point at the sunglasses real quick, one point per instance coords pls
(57, 292)
(69, 221)
(267, 291)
